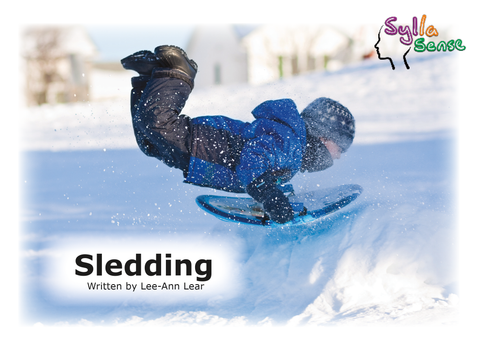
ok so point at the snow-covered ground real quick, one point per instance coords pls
(388, 258)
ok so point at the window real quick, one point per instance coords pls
(218, 74)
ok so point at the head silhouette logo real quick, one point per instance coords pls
(403, 39)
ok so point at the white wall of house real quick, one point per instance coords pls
(220, 56)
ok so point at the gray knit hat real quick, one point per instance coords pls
(329, 119)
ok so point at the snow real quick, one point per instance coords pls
(387, 259)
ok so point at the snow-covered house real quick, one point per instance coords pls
(220, 55)
(56, 64)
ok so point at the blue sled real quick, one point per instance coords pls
(308, 206)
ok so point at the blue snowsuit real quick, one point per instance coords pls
(217, 151)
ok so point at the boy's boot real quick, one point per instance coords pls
(143, 62)
(174, 62)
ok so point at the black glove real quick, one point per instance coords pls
(275, 204)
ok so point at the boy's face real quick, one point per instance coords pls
(333, 148)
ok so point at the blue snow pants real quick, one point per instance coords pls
(160, 130)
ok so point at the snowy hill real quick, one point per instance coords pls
(386, 259)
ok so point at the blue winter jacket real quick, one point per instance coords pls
(229, 154)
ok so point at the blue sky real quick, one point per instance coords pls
(115, 42)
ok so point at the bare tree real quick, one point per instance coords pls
(273, 57)
(42, 56)
(310, 38)
(293, 50)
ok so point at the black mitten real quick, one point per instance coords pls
(276, 205)
(278, 208)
